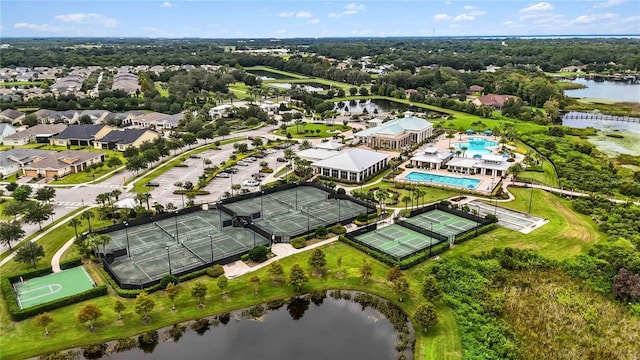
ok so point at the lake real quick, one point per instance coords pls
(611, 90)
(268, 74)
(320, 330)
(378, 105)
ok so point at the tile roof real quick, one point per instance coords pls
(397, 126)
(40, 129)
(79, 132)
(63, 159)
(21, 155)
(126, 136)
(11, 114)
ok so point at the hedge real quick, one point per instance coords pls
(472, 234)
(18, 314)
(133, 293)
(71, 263)
(299, 242)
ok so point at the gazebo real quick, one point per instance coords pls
(488, 132)
(469, 131)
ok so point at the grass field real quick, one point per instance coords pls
(2, 216)
(311, 128)
(431, 194)
(275, 71)
(567, 234)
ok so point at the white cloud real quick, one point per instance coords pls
(167, 4)
(298, 14)
(469, 7)
(587, 19)
(37, 27)
(313, 21)
(441, 17)
(281, 32)
(632, 19)
(349, 9)
(464, 17)
(607, 4)
(90, 18)
(541, 6)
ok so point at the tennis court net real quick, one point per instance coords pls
(163, 229)
(192, 252)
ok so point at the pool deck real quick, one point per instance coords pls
(443, 145)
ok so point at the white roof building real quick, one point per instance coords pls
(396, 134)
(329, 145)
(431, 158)
(352, 165)
(494, 165)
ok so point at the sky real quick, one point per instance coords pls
(290, 19)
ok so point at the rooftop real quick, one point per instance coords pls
(397, 126)
(352, 160)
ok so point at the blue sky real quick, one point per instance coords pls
(286, 19)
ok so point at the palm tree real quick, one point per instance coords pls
(88, 215)
(74, 222)
(515, 170)
(406, 200)
(382, 195)
(464, 150)
(143, 197)
(418, 192)
(450, 136)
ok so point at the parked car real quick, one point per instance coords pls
(251, 183)
(259, 155)
(280, 159)
(257, 176)
(194, 156)
(250, 138)
(230, 170)
(152, 184)
(242, 163)
(223, 175)
(269, 151)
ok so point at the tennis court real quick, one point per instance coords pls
(397, 241)
(441, 222)
(51, 287)
(295, 211)
(511, 219)
(176, 245)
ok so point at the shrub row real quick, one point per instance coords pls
(133, 293)
(18, 314)
(472, 234)
(298, 242)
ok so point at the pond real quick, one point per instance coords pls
(303, 329)
(303, 86)
(269, 74)
(378, 105)
(617, 91)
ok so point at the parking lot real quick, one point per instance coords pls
(163, 193)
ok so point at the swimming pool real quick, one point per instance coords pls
(466, 183)
(476, 146)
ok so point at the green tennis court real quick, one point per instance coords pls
(442, 223)
(52, 287)
(397, 241)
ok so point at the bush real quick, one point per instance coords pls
(299, 242)
(125, 344)
(322, 232)
(168, 279)
(491, 218)
(258, 253)
(244, 257)
(341, 191)
(362, 217)
(215, 271)
(338, 229)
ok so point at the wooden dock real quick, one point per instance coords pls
(574, 115)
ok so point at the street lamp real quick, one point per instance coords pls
(168, 258)
(211, 244)
(261, 209)
(126, 234)
(254, 234)
(176, 217)
(308, 225)
(361, 179)
(296, 196)
(338, 211)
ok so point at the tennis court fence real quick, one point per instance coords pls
(420, 230)
(450, 210)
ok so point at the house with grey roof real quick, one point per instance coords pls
(6, 130)
(40, 133)
(80, 135)
(62, 163)
(396, 134)
(122, 139)
(96, 116)
(13, 160)
(354, 165)
(53, 116)
(155, 120)
(12, 116)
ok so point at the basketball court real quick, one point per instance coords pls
(51, 287)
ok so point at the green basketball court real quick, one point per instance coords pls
(52, 287)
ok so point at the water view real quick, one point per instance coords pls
(476, 146)
(610, 90)
(614, 137)
(468, 183)
(330, 329)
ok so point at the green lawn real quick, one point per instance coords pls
(432, 194)
(310, 130)
(163, 92)
(2, 206)
(20, 83)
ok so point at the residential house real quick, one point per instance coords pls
(40, 133)
(354, 165)
(96, 116)
(219, 111)
(12, 116)
(62, 163)
(396, 134)
(154, 120)
(497, 101)
(494, 165)
(6, 130)
(431, 158)
(80, 135)
(52, 116)
(475, 89)
(13, 160)
(122, 139)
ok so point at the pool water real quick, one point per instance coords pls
(476, 146)
(467, 183)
